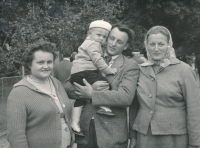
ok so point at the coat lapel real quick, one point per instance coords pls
(148, 71)
(118, 63)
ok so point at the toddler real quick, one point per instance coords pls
(87, 64)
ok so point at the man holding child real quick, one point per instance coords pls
(108, 131)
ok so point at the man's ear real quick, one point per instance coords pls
(126, 46)
(29, 65)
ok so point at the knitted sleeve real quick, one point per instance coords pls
(16, 119)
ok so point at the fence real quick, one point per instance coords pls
(6, 84)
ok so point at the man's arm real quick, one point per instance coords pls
(69, 88)
(123, 96)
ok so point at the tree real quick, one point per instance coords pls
(65, 23)
(181, 17)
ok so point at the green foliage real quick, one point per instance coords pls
(181, 17)
(65, 23)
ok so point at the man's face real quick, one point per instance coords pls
(117, 42)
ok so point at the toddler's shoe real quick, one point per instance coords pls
(104, 112)
(76, 130)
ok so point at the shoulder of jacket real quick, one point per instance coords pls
(87, 43)
(131, 62)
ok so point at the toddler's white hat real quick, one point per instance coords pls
(100, 24)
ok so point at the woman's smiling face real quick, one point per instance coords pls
(42, 65)
(157, 45)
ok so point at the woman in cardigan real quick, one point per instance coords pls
(38, 108)
(169, 105)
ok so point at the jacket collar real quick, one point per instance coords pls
(148, 70)
(174, 61)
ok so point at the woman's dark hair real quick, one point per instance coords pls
(126, 29)
(45, 46)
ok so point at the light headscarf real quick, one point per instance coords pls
(170, 51)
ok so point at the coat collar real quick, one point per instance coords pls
(148, 70)
(174, 61)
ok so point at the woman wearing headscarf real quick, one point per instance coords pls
(166, 112)
(38, 108)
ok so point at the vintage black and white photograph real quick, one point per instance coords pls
(99, 73)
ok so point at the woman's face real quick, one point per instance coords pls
(157, 46)
(42, 65)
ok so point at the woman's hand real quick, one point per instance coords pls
(83, 91)
(100, 85)
(132, 143)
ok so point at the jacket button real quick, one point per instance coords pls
(152, 79)
(151, 112)
(150, 95)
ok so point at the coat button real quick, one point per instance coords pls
(150, 95)
(152, 79)
(151, 112)
(63, 105)
(66, 129)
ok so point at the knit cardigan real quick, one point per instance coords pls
(33, 118)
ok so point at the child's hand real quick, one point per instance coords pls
(113, 71)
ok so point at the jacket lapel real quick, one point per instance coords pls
(148, 71)
(118, 64)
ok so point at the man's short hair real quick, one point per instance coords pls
(126, 29)
(66, 52)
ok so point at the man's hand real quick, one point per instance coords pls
(83, 91)
(100, 85)
(132, 143)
